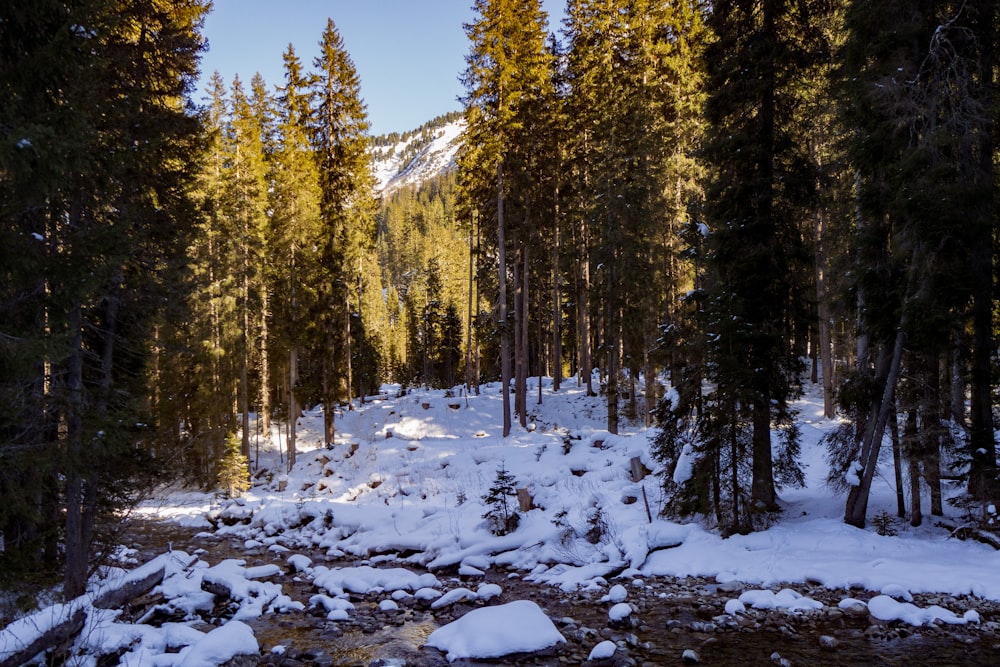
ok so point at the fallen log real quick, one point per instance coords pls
(55, 626)
(49, 628)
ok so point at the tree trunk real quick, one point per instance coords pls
(77, 557)
(649, 384)
(931, 431)
(583, 310)
(349, 383)
(244, 397)
(504, 325)
(264, 415)
(520, 325)
(734, 473)
(824, 319)
(910, 436)
(762, 493)
(556, 309)
(293, 359)
(856, 508)
(293, 404)
(897, 463)
(468, 319)
(329, 379)
(525, 338)
(542, 354)
(957, 375)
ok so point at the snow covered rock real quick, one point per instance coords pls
(493, 632)
(884, 608)
(617, 594)
(786, 599)
(620, 613)
(220, 645)
(603, 651)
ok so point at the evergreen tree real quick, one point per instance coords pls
(294, 203)
(502, 516)
(97, 176)
(760, 186)
(245, 207)
(918, 99)
(506, 78)
(339, 136)
(199, 340)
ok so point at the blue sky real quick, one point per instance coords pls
(409, 53)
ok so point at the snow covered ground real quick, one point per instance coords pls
(403, 487)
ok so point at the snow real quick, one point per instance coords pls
(219, 645)
(616, 594)
(620, 611)
(885, 608)
(405, 506)
(785, 599)
(492, 632)
(603, 651)
(438, 156)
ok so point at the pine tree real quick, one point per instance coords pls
(197, 413)
(294, 202)
(502, 517)
(346, 207)
(97, 103)
(926, 197)
(506, 77)
(245, 206)
(760, 185)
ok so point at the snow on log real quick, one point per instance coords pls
(53, 626)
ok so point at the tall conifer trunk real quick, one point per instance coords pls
(556, 310)
(75, 577)
(502, 299)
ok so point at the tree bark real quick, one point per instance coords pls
(504, 326)
(856, 508)
(931, 431)
(556, 307)
(897, 463)
(823, 319)
(75, 575)
(264, 415)
(762, 493)
(293, 404)
(583, 310)
(468, 326)
(910, 436)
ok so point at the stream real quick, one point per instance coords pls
(670, 616)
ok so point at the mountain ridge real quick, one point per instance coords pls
(410, 158)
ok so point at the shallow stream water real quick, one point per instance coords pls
(671, 616)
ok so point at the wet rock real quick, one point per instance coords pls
(690, 657)
(855, 609)
(780, 661)
(729, 587)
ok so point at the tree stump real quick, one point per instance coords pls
(638, 470)
(524, 500)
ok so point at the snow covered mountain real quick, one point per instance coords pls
(416, 156)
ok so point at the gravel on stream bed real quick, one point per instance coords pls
(668, 621)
